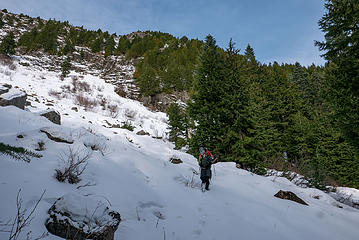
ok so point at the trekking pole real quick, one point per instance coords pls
(214, 170)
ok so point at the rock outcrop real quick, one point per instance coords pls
(53, 115)
(142, 133)
(289, 196)
(56, 135)
(12, 96)
(175, 160)
(78, 217)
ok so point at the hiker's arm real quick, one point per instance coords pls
(215, 160)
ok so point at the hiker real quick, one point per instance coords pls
(205, 161)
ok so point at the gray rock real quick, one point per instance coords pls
(57, 136)
(12, 96)
(53, 116)
(142, 133)
(175, 160)
(4, 88)
(78, 217)
(289, 196)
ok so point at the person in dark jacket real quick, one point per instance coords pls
(205, 161)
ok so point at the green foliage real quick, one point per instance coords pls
(1, 22)
(124, 45)
(177, 125)
(68, 48)
(97, 44)
(109, 46)
(205, 108)
(65, 67)
(171, 61)
(341, 46)
(8, 44)
(43, 37)
(127, 125)
(17, 152)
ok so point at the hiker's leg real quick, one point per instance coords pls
(207, 184)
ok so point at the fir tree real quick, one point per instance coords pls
(249, 53)
(1, 22)
(8, 44)
(177, 125)
(109, 46)
(65, 67)
(204, 108)
(341, 46)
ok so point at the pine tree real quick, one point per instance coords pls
(1, 22)
(65, 67)
(8, 44)
(341, 46)
(177, 123)
(97, 45)
(109, 46)
(205, 106)
(249, 53)
(123, 45)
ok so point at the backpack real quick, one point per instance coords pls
(206, 161)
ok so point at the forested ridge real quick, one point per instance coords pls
(282, 116)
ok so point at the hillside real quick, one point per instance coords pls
(98, 99)
(134, 175)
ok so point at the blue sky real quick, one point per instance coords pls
(278, 30)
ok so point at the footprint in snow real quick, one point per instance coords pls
(149, 204)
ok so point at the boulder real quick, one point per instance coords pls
(289, 196)
(175, 160)
(57, 135)
(12, 96)
(53, 115)
(79, 217)
(142, 133)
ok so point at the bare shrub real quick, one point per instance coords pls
(97, 146)
(85, 102)
(66, 88)
(7, 61)
(103, 102)
(121, 91)
(80, 86)
(100, 88)
(41, 145)
(74, 163)
(130, 114)
(55, 94)
(113, 109)
(22, 219)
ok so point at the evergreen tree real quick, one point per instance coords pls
(148, 82)
(341, 46)
(97, 45)
(205, 106)
(109, 46)
(249, 53)
(65, 67)
(8, 44)
(177, 123)
(123, 45)
(69, 47)
(1, 22)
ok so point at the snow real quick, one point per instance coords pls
(134, 177)
(349, 196)
(12, 93)
(86, 213)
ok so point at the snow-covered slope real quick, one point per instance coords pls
(156, 199)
